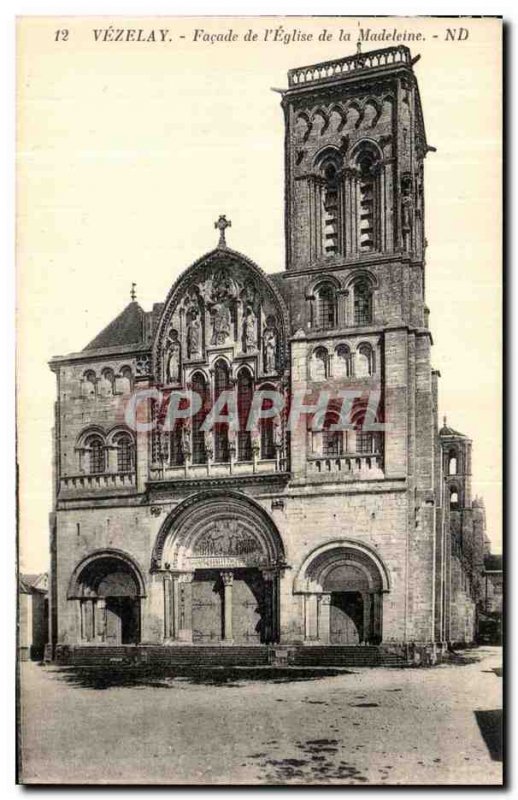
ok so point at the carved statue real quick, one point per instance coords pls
(250, 330)
(223, 288)
(406, 202)
(249, 293)
(221, 322)
(256, 439)
(270, 348)
(193, 334)
(277, 434)
(208, 441)
(186, 438)
(165, 446)
(224, 539)
(173, 358)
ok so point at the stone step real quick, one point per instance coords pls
(124, 655)
(345, 656)
(235, 655)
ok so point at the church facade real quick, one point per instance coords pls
(197, 500)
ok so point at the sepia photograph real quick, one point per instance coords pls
(259, 400)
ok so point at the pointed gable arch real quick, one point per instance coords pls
(244, 282)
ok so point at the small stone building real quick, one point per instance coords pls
(278, 535)
(33, 616)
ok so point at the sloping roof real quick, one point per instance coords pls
(127, 328)
(33, 582)
(447, 431)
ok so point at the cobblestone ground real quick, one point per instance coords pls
(360, 726)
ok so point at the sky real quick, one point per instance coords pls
(127, 152)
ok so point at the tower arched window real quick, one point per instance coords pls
(332, 440)
(94, 445)
(452, 462)
(326, 306)
(367, 165)
(222, 383)
(319, 364)
(362, 298)
(107, 382)
(199, 386)
(244, 402)
(365, 361)
(454, 498)
(330, 209)
(125, 380)
(125, 452)
(343, 362)
(88, 384)
(327, 216)
(176, 454)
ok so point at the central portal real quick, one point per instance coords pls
(238, 613)
(221, 557)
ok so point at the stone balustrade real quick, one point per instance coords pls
(213, 469)
(327, 70)
(99, 483)
(352, 465)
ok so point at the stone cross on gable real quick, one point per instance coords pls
(222, 224)
(133, 293)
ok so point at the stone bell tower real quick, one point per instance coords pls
(456, 458)
(354, 150)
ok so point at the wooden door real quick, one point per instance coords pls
(346, 622)
(113, 621)
(207, 608)
(247, 608)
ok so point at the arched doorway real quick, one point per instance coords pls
(107, 587)
(220, 555)
(342, 583)
(349, 603)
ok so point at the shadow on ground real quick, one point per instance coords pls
(103, 677)
(490, 724)
(319, 762)
(498, 671)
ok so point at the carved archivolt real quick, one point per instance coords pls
(215, 529)
(223, 304)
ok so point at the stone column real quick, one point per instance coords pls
(353, 213)
(90, 620)
(111, 459)
(367, 604)
(389, 203)
(377, 599)
(232, 448)
(311, 621)
(324, 618)
(240, 306)
(167, 607)
(268, 577)
(175, 607)
(100, 619)
(271, 612)
(382, 209)
(276, 607)
(349, 213)
(228, 580)
(185, 607)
